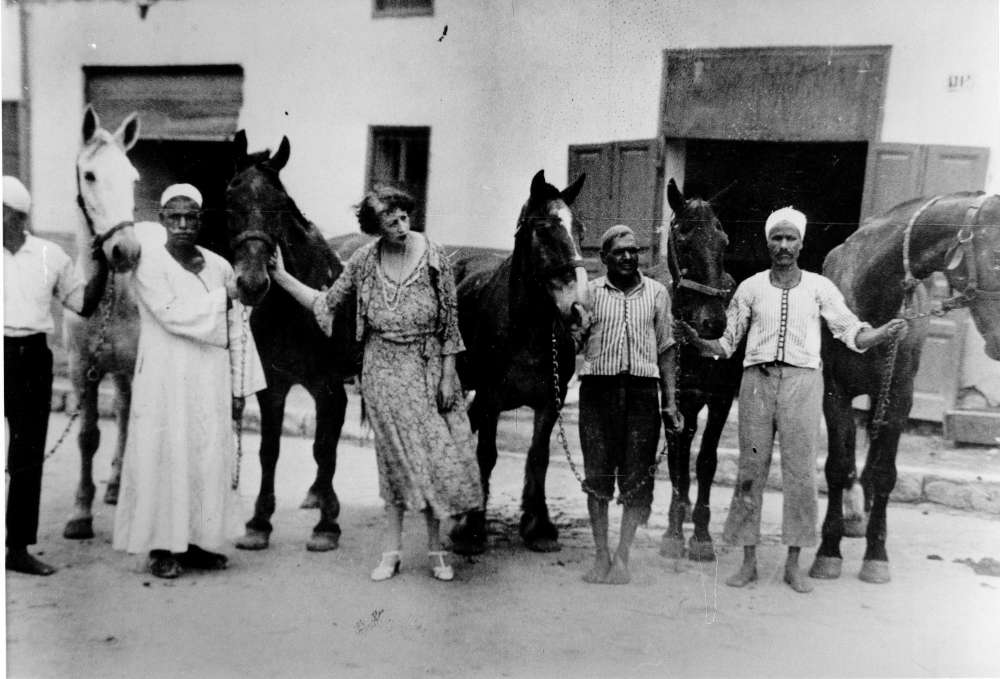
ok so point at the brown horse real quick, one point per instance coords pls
(105, 343)
(292, 348)
(517, 316)
(878, 269)
(700, 292)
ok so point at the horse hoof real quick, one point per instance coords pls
(111, 495)
(323, 542)
(855, 527)
(826, 568)
(311, 501)
(701, 550)
(79, 529)
(876, 572)
(254, 539)
(672, 547)
(543, 545)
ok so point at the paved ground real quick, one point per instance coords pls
(511, 613)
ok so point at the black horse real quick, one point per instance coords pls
(878, 269)
(517, 318)
(700, 292)
(292, 348)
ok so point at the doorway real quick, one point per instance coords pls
(825, 180)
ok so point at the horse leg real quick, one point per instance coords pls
(81, 524)
(123, 406)
(700, 547)
(679, 465)
(331, 405)
(840, 475)
(272, 412)
(537, 530)
(468, 536)
(879, 478)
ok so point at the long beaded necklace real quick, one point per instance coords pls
(393, 303)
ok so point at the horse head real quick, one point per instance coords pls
(702, 287)
(546, 247)
(261, 214)
(973, 269)
(106, 188)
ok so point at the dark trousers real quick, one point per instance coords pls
(27, 399)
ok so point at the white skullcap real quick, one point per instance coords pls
(616, 231)
(786, 215)
(186, 190)
(15, 196)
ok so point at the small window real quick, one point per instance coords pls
(400, 156)
(403, 8)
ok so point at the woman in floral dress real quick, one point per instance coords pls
(408, 325)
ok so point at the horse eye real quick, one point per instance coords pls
(90, 176)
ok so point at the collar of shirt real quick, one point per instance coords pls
(611, 286)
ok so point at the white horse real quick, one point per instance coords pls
(105, 343)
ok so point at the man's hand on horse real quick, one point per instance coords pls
(239, 403)
(897, 327)
(684, 332)
(673, 421)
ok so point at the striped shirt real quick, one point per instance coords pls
(784, 325)
(630, 330)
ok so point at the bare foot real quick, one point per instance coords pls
(618, 575)
(598, 574)
(744, 576)
(797, 581)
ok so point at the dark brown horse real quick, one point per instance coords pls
(700, 292)
(878, 269)
(292, 348)
(517, 317)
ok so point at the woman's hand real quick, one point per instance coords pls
(673, 421)
(447, 395)
(276, 265)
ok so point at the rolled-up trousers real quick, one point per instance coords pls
(27, 399)
(787, 400)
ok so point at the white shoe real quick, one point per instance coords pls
(440, 570)
(387, 567)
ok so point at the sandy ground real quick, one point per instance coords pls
(510, 613)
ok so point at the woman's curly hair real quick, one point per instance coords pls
(381, 198)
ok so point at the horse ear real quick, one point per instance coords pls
(280, 158)
(240, 145)
(570, 193)
(90, 123)
(538, 183)
(128, 132)
(674, 197)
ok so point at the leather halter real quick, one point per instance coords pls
(255, 234)
(964, 239)
(687, 283)
(99, 239)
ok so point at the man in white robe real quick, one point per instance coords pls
(177, 500)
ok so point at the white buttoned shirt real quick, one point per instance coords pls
(38, 272)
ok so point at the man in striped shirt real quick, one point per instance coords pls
(779, 312)
(629, 357)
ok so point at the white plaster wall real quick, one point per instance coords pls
(10, 34)
(510, 87)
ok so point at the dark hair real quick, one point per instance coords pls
(381, 198)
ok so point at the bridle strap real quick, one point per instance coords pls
(686, 283)
(99, 239)
(909, 280)
(703, 289)
(256, 234)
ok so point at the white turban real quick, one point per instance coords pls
(185, 190)
(15, 196)
(786, 215)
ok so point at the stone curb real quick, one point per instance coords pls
(957, 489)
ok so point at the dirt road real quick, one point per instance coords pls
(286, 612)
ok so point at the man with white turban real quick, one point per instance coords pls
(35, 271)
(196, 362)
(779, 312)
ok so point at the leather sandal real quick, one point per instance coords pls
(387, 567)
(440, 570)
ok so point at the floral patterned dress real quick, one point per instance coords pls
(425, 458)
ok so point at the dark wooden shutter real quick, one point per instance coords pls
(892, 176)
(622, 187)
(11, 140)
